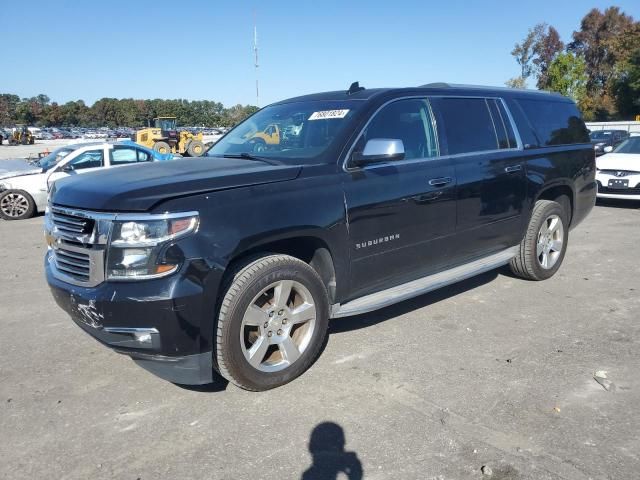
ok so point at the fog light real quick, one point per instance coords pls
(143, 338)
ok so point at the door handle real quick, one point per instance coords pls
(513, 168)
(440, 182)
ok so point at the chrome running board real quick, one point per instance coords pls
(422, 285)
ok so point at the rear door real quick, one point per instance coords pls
(400, 214)
(479, 136)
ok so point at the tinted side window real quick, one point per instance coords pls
(555, 123)
(467, 124)
(407, 120)
(527, 135)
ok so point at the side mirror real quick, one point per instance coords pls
(608, 149)
(379, 150)
(67, 168)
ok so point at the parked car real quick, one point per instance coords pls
(24, 183)
(601, 139)
(618, 174)
(236, 262)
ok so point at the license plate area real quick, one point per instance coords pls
(618, 183)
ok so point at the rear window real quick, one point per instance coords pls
(467, 124)
(555, 123)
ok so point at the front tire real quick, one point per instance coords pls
(544, 245)
(162, 147)
(195, 148)
(272, 322)
(16, 205)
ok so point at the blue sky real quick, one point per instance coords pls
(203, 49)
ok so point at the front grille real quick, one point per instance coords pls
(71, 227)
(78, 240)
(75, 264)
(620, 173)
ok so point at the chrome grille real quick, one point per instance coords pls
(77, 240)
(71, 227)
(75, 264)
(620, 173)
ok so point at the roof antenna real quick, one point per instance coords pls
(354, 88)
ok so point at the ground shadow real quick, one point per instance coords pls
(365, 320)
(329, 457)
(219, 384)
(615, 203)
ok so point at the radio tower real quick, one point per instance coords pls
(255, 52)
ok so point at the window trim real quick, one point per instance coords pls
(350, 169)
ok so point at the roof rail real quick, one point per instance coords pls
(482, 87)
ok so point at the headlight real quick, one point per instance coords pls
(137, 247)
(5, 186)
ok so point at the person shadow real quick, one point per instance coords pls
(330, 459)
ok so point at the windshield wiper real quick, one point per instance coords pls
(250, 156)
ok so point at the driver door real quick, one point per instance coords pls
(87, 161)
(401, 214)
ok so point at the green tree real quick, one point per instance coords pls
(516, 82)
(599, 42)
(8, 105)
(627, 87)
(567, 76)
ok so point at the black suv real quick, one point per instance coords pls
(600, 139)
(235, 262)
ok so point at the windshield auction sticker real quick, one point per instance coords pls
(324, 114)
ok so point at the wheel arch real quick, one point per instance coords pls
(557, 190)
(308, 248)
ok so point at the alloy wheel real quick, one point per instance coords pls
(550, 242)
(14, 205)
(278, 325)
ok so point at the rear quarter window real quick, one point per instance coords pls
(555, 123)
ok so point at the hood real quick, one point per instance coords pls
(619, 161)
(140, 187)
(17, 166)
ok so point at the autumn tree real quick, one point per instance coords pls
(547, 46)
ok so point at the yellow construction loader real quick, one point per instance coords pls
(21, 136)
(163, 137)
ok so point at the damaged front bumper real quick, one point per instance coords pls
(155, 322)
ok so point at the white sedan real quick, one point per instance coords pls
(24, 184)
(618, 172)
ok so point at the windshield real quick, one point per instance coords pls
(631, 145)
(300, 130)
(601, 135)
(166, 124)
(54, 157)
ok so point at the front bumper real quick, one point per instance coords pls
(158, 323)
(632, 192)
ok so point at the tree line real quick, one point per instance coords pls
(599, 68)
(112, 112)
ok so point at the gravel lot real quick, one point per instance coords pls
(494, 372)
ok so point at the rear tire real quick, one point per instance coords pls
(258, 145)
(272, 322)
(16, 205)
(195, 148)
(162, 147)
(544, 245)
